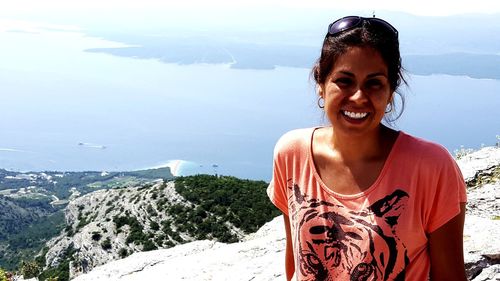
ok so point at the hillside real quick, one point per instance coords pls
(32, 203)
(61, 186)
(106, 225)
(260, 256)
(25, 225)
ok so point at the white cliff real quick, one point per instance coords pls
(90, 223)
(481, 171)
(261, 255)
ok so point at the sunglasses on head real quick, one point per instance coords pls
(351, 22)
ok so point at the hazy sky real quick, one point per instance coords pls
(107, 100)
(220, 16)
(421, 7)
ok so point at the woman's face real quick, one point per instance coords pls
(357, 92)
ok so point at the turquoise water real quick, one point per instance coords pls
(133, 114)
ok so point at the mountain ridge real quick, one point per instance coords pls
(111, 224)
(207, 260)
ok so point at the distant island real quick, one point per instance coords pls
(269, 56)
(480, 66)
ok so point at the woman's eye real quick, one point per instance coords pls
(374, 84)
(343, 82)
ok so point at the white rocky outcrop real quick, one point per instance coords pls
(93, 213)
(261, 255)
(476, 162)
(108, 225)
(481, 170)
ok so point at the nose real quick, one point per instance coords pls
(358, 96)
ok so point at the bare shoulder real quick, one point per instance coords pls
(292, 140)
(426, 151)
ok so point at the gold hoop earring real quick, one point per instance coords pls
(390, 108)
(319, 102)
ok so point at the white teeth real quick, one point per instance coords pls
(355, 115)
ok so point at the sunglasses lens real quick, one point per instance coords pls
(344, 24)
(383, 24)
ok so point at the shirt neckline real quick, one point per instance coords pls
(317, 177)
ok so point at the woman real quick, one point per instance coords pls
(362, 201)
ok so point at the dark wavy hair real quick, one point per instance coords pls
(384, 41)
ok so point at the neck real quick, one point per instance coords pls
(361, 148)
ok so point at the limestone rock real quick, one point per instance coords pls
(478, 161)
(90, 219)
(482, 222)
(259, 257)
(490, 273)
(481, 244)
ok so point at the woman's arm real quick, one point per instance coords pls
(289, 264)
(446, 250)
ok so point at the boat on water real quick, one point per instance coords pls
(91, 145)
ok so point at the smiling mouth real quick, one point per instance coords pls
(355, 115)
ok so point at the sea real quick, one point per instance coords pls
(65, 109)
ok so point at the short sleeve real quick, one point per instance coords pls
(277, 187)
(449, 192)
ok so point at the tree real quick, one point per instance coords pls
(3, 275)
(106, 244)
(123, 253)
(29, 269)
(96, 236)
(154, 226)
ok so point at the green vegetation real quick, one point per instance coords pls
(243, 203)
(82, 221)
(29, 269)
(149, 245)
(106, 244)
(108, 210)
(198, 223)
(3, 275)
(123, 253)
(96, 236)
(60, 183)
(28, 220)
(154, 226)
(216, 208)
(23, 234)
(61, 272)
(40, 259)
(490, 175)
(462, 152)
(159, 173)
(151, 211)
(136, 235)
(213, 202)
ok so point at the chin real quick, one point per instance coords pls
(356, 131)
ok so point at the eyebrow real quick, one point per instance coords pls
(377, 74)
(371, 75)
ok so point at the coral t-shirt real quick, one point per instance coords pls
(379, 234)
